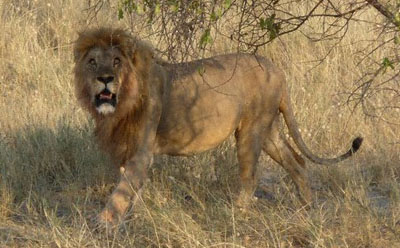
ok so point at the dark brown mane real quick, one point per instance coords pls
(117, 132)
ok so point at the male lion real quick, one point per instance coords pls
(142, 107)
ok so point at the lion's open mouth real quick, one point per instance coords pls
(106, 97)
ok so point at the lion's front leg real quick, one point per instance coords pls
(128, 190)
(135, 172)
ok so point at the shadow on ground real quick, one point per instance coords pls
(56, 167)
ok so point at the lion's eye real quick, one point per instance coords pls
(117, 61)
(92, 63)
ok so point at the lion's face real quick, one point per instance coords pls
(111, 69)
(103, 70)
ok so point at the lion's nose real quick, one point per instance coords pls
(105, 80)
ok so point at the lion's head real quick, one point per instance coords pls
(110, 69)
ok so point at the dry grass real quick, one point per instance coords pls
(53, 179)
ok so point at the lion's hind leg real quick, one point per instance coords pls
(249, 145)
(279, 149)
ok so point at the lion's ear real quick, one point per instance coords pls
(77, 55)
(143, 56)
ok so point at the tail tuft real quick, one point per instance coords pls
(356, 144)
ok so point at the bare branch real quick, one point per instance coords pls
(384, 11)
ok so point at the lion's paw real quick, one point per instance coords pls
(108, 220)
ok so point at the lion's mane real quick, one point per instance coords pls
(116, 132)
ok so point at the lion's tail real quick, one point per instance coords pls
(286, 110)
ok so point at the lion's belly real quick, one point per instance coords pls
(183, 143)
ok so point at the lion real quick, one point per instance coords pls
(143, 107)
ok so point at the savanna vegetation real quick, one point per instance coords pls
(54, 180)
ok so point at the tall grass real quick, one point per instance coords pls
(53, 178)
